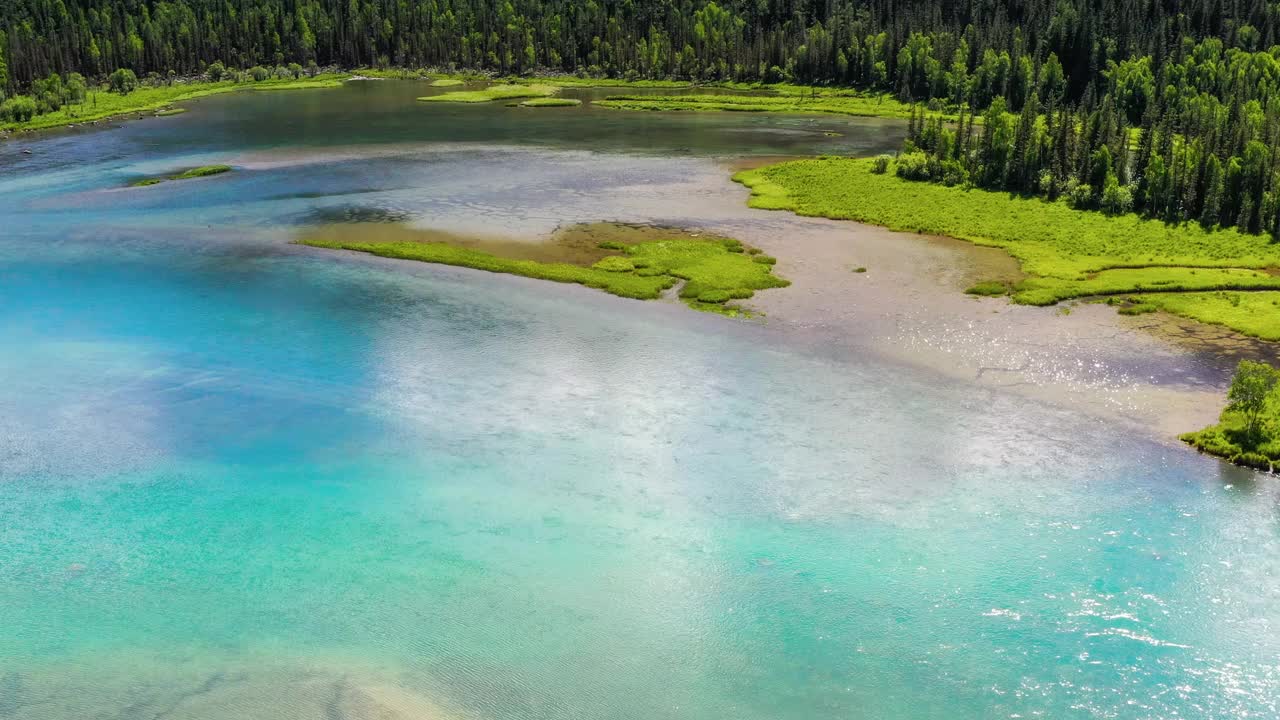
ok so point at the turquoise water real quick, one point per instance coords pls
(244, 479)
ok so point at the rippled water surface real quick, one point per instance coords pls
(241, 479)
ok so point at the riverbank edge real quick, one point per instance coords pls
(154, 99)
(769, 193)
(1211, 441)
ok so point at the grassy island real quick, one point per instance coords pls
(631, 261)
(1224, 276)
(494, 92)
(1248, 433)
(195, 172)
(551, 102)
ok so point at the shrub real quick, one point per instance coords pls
(259, 73)
(764, 259)
(912, 166)
(880, 165)
(1046, 185)
(75, 89)
(1117, 199)
(954, 173)
(19, 108)
(122, 81)
(1080, 196)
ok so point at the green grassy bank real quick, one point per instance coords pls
(1248, 431)
(1185, 269)
(789, 99)
(638, 262)
(100, 104)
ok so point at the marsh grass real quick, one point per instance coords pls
(643, 262)
(1066, 253)
(494, 92)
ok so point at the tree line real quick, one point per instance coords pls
(1192, 140)
(1164, 107)
(919, 48)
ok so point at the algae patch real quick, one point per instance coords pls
(195, 172)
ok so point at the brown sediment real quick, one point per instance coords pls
(909, 307)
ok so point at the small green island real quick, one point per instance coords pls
(506, 91)
(632, 261)
(544, 102)
(1248, 433)
(195, 172)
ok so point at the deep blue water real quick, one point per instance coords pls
(241, 479)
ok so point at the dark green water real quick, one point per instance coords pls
(240, 479)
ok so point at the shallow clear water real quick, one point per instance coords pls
(242, 479)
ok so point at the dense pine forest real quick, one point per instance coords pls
(1166, 108)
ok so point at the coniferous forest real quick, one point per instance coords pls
(1170, 109)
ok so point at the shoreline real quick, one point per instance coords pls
(159, 98)
(194, 88)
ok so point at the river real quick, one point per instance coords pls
(243, 478)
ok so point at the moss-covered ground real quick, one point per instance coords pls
(632, 261)
(1217, 276)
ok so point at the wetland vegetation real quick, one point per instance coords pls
(1066, 253)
